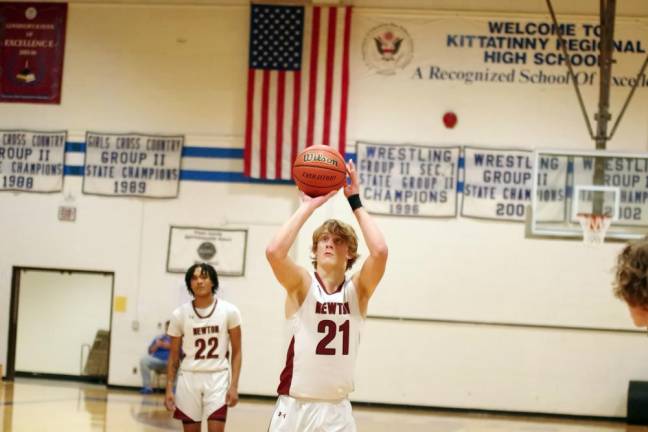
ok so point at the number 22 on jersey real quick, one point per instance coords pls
(202, 344)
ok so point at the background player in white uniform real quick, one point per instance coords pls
(631, 282)
(326, 312)
(205, 327)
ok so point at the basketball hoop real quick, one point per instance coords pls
(594, 227)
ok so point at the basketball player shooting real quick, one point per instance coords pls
(631, 281)
(205, 327)
(326, 312)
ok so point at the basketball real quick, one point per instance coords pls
(318, 170)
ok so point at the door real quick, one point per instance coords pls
(61, 325)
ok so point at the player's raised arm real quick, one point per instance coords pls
(292, 277)
(366, 280)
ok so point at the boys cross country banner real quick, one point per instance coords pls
(32, 44)
(223, 248)
(132, 164)
(408, 180)
(498, 184)
(32, 161)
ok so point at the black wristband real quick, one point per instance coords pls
(354, 202)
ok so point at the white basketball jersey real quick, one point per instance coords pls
(325, 336)
(205, 339)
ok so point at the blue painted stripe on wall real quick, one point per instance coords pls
(189, 151)
(73, 170)
(211, 152)
(75, 147)
(225, 176)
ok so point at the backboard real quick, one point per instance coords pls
(572, 182)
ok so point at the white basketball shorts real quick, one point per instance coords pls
(294, 415)
(201, 394)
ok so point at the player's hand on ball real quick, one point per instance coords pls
(316, 201)
(353, 187)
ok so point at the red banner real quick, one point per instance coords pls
(32, 44)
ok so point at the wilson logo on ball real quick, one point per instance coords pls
(318, 157)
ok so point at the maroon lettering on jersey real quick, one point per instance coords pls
(205, 330)
(332, 308)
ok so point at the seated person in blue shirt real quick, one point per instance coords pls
(156, 359)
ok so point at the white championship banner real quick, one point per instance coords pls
(222, 248)
(408, 180)
(132, 164)
(629, 175)
(32, 161)
(498, 184)
(552, 189)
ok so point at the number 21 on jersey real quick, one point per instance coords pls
(330, 330)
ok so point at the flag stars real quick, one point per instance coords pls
(276, 37)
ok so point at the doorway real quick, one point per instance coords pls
(60, 322)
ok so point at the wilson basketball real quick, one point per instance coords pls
(318, 170)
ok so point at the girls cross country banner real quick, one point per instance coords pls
(32, 161)
(408, 180)
(222, 248)
(132, 164)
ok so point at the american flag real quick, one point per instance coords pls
(298, 85)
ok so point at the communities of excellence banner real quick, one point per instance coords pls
(132, 164)
(32, 161)
(225, 249)
(408, 180)
(32, 44)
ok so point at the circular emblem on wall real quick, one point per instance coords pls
(387, 48)
(30, 13)
(206, 251)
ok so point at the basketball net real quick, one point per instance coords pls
(594, 227)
